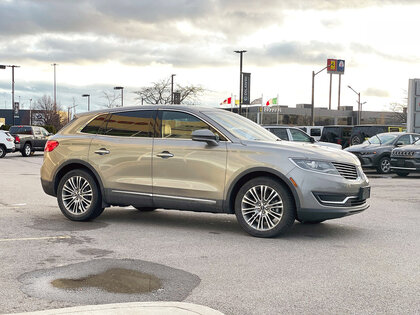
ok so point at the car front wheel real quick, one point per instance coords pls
(79, 197)
(2, 151)
(264, 207)
(27, 150)
(384, 166)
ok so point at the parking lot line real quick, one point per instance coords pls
(34, 238)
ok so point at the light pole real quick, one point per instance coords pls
(55, 88)
(88, 96)
(240, 52)
(13, 86)
(122, 93)
(313, 94)
(30, 111)
(359, 109)
(172, 88)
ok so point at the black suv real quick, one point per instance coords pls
(406, 160)
(337, 134)
(375, 152)
(362, 132)
(29, 139)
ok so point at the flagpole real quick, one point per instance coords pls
(262, 108)
(231, 99)
(277, 101)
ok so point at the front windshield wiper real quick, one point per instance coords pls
(380, 142)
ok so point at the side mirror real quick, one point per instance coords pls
(205, 135)
(399, 144)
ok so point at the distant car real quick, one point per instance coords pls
(297, 135)
(360, 133)
(339, 134)
(29, 139)
(314, 131)
(406, 159)
(7, 144)
(376, 151)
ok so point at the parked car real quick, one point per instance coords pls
(376, 151)
(7, 144)
(296, 134)
(362, 132)
(337, 134)
(406, 159)
(198, 159)
(29, 139)
(314, 131)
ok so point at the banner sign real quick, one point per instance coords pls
(246, 88)
(336, 66)
(16, 110)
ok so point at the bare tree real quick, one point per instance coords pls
(48, 113)
(160, 93)
(400, 109)
(111, 99)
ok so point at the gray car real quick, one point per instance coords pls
(198, 159)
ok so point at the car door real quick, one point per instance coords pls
(45, 134)
(187, 174)
(121, 153)
(37, 141)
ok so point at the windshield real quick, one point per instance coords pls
(417, 142)
(241, 127)
(383, 138)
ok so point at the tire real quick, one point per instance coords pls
(26, 150)
(402, 173)
(2, 151)
(356, 140)
(264, 221)
(79, 197)
(145, 209)
(311, 222)
(384, 165)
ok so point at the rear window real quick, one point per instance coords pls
(94, 126)
(20, 130)
(315, 132)
(280, 132)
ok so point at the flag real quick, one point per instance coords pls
(227, 101)
(271, 101)
(256, 101)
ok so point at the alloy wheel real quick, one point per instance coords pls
(77, 195)
(27, 150)
(262, 208)
(385, 166)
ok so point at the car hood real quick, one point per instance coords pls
(304, 150)
(366, 147)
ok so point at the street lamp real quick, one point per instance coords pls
(122, 93)
(30, 111)
(88, 96)
(359, 106)
(313, 94)
(13, 86)
(172, 88)
(240, 52)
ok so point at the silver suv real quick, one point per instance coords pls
(198, 159)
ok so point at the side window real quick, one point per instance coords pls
(37, 132)
(315, 132)
(416, 138)
(280, 132)
(174, 124)
(139, 123)
(94, 125)
(44, 132)
(404, 139)
(299, 136)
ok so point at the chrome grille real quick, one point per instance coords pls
(402, 153)
(348, 171)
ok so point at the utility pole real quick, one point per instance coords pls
(313, 94)
(30, 111)
(172, 88)
(240, 52)
(55, 88)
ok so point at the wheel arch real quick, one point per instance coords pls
(247, 175)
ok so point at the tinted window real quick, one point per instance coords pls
(181, 125)
(94, 125)
(330, 134)
(20, 130)
(405, 139)
(131, 124)
(280, 132)
(299, 136)
(315, 132)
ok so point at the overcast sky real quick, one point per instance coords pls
(101, 44)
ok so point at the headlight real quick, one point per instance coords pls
(368, 153)
(316, 166)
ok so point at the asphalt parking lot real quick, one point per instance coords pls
(363, 264)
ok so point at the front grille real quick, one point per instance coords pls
(348, 171)
(403, 153)
(357, 202)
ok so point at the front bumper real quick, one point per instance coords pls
(324, 197)
(405, 164)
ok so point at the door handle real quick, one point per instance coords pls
(165, 155)
(102, 151)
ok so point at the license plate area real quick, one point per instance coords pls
(364, 193)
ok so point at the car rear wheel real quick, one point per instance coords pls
(145, 209)
(79, 197)
(384, 166)
(402, 173)
(264, 207)
(27, 150)
(2, 151)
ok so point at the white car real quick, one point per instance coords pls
(7, 143)
(297, 135)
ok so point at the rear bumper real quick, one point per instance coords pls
(48, 187)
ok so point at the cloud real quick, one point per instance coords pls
(376, 92)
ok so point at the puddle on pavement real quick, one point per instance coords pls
(115, 280)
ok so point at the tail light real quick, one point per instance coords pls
(9, 139)
(50, 145)
(339, 141)
(17, 139)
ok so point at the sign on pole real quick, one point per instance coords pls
(246, 88)
(16, 110)
(335, 66)
(177, 98)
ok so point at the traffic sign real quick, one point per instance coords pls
(340, 66)
(335, 66)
